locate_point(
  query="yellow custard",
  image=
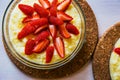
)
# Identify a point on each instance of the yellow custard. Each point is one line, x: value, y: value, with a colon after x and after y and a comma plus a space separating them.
x: 15, y: 26
x: 115, y: 63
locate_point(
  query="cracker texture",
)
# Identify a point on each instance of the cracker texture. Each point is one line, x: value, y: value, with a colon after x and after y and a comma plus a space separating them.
x: 103, y: 51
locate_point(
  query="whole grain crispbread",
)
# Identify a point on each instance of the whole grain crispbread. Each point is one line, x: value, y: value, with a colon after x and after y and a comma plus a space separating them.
x: 75, y: 64
x: 102, y: 53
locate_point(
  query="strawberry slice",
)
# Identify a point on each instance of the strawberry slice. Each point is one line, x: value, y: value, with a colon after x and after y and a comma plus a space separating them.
x: 26, y: 31
x: 63, y: 16
x: 64, y: 5
x: 72, y: 29
x: 31, y: 27
x: 53, y: 31
x: 59, y: 45
x: 63, y: 31
x: 44, y: 3
x: 54, y: 3
x: 41, y: 36
x: 40, y: 29
x: 41, y: 46
x: 49, y: 54
x: 40, y: 10
x: 26, y: 9
x: 53, y: 11
x: 29, y: 46
x: 29, y: 18
x: 39, y: 22
x: 54, y: 20
x: 117, y: 50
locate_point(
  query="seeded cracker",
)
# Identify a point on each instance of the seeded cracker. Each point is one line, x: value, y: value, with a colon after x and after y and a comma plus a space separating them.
x: 103, y: 51
x: 78, y: 62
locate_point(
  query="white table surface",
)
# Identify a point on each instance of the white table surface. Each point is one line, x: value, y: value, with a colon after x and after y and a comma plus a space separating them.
x: 107, y: 13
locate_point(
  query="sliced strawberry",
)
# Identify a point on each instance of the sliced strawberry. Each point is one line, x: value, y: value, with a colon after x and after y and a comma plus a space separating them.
x: 39, y: 22
x: 41, y: 46
x: 26, y: 9
x: 54, y: 20
x: 44, y: 3
x: 29, y: 18
x: 29, y: 46
x: 63, y: 16
x: 49, y: 53
x: 117, y: 50
x: 53, y: 31
x: 40, y: 29
x: 41, y: 11
x: 63, y: 31
x: 72, y: 29
x: 59, y: 45
x: 31, y: 27
x: 53, y: 11
x: 26, y: 31
x: 64, y: 5
x: 41, y: 36
x: 54, y: 3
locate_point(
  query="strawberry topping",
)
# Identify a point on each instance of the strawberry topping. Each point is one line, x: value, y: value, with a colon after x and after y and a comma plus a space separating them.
x: 44, y: 3
x: 63, y: 16
x: 41, y: 28
x: 49, y: 53
x: 40, y: 10
x: 63, y: 31
x: 53, y: 11
x: 117, y: 50
x: 28, y: 29
x: 72, y: 29
x: 53, y: 31
x: 54, y: 3
x: 41, y: 46
x: 42, y: 36
x: 26, y: 9
x: 55, y: 21
x: 30, y: 18
x: 64, y: 5
x: 59, y: 45
x: 29, y: 46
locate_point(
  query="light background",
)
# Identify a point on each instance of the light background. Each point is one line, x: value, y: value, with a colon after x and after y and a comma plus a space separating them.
x: 107, y: 13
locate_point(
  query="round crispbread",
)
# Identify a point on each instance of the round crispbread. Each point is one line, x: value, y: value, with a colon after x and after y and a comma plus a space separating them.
x: 102, y: 53
x: 79, y: 60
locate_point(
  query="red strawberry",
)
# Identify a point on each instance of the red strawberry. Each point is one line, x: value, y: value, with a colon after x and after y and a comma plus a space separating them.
x: 49, y: 54
x: 31, y: 27
x: 42, y: 36
x: 72, y: 29
x: 54, y: 2
x: 41, y: 11
x: 39, y: 22
x: 117, y: 50
x: 26, y: 9
x: 53, y: 11
x: 44, y: 3
x: 64, y: 5
x: 63, y: 31
x: 26, y: 31
x: 54, y: 20
x: 29, y: 46
x: 40, y: 29
x: 59, y: 45
x: 41, y: 46
x: 53, y: 31
x: 29, y: 18
x: 63, y: 16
